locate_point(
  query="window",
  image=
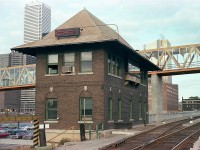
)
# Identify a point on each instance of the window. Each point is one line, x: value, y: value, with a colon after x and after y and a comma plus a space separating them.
x: 118, y: 67
x: 86, y: 62
x: 110, y: 108
x: 119, y: 109
x: 51, y: 109
x: 69, y: 63
x: 86, y: 109
x: 52, y: 67
x: 140, y: 109
x: 114, y: 65
x: 131, y: 107
x: 69, y: 59
x: 109, y: 63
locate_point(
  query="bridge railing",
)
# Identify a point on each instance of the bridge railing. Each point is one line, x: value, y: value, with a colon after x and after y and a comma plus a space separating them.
x: 174, y: 66
x: 17, y: 75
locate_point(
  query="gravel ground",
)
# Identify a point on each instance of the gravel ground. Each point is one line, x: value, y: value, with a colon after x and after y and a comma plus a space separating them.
x: 102, y: 142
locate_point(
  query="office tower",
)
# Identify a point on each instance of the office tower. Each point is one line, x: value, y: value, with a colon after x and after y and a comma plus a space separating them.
x: 37, y: 21
x: 19, y: 59
x: 157, y: 44
x: 160, y: 44
x: 4, y: 60
x: 27, y: 101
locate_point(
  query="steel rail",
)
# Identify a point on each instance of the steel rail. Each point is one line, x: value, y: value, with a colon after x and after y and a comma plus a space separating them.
x: 172, y: 140
x: 145, y: 137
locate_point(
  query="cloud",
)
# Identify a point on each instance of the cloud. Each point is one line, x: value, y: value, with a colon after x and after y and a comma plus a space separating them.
x: 139, y: 22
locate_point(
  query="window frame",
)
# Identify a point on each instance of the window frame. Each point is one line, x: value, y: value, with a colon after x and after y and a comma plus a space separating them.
x: 131, y: 107
x: 110, y: 110
x: 51, y: 64
x: 140, y: 109
x: 114, y: 65
x: 86, y: 61
x: 119, y: 109
x: 81, y: 116
x: 52, y: 109
x: 64, y: 61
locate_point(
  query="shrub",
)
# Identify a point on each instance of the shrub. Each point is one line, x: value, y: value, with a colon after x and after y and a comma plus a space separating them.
x: 63, y: 141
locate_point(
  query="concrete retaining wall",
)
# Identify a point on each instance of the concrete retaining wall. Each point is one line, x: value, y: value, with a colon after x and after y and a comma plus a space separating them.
x: 172, y: 115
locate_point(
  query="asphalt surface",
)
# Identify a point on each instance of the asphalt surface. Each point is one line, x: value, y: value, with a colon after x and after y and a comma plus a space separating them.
x: 7, y: 144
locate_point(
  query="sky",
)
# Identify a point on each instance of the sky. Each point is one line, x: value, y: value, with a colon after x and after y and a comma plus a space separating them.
x: 139, y: 22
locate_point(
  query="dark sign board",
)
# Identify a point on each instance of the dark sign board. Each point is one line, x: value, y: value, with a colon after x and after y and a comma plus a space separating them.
x: 60, y: 33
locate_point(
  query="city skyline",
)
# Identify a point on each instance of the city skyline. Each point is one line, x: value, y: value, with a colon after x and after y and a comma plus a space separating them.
x: 139, y: 22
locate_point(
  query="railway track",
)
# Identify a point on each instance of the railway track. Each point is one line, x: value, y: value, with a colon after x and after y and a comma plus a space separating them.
x: 175, y: 140
x: 143, y: 139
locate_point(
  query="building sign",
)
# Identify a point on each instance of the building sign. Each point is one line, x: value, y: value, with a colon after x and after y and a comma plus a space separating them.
x: 60, y: 33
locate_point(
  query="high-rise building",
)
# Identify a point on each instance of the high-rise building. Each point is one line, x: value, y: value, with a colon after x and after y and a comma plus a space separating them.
x: 37, y: 21
x: 27, y: 101
x: 160, y: 44
x: 10, y: 100
x: 18, y: 59
x: 4, y: 60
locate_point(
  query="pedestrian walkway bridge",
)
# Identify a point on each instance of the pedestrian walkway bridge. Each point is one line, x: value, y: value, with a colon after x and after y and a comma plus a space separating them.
x: 17, y: 77
x: 175, y: 60
x: 172, y: 60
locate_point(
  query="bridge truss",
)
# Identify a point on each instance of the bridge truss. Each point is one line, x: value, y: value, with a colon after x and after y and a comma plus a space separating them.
x: 172, y: 58
x: 17, y: 76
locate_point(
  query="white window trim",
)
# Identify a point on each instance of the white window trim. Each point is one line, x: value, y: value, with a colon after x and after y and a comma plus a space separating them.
x: 111, y: 121
x: 120, y: 121
x: 49, y: 75
x: 51, y: 121
x: 83, y: 73
x: 68, y: 74
x: 89, y: 122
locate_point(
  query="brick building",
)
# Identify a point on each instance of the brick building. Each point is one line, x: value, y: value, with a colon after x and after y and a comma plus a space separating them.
x: 170, y: 97
x: 82, y: 76
x: 191, y: 103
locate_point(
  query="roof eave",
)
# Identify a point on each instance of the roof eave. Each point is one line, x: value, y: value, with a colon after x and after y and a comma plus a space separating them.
x: 150, y: 64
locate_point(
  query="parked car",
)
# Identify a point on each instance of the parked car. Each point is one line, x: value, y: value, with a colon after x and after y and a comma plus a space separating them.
x: 12, y: 131
x: 19, y: 134
x: 28, y: 136
x: 3, y: 134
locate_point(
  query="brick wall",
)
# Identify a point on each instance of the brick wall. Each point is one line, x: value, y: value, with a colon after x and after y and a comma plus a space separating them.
x: 68, y: 88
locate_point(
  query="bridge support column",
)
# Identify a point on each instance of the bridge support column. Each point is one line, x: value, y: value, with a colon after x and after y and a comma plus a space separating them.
x: 156, y: 97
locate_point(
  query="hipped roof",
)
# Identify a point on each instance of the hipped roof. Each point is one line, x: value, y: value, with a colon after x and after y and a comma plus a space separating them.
x: 93, y: 30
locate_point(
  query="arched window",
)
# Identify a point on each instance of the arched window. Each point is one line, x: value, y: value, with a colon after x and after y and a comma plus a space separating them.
x: 86, y: 108
x: 51, y: 109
